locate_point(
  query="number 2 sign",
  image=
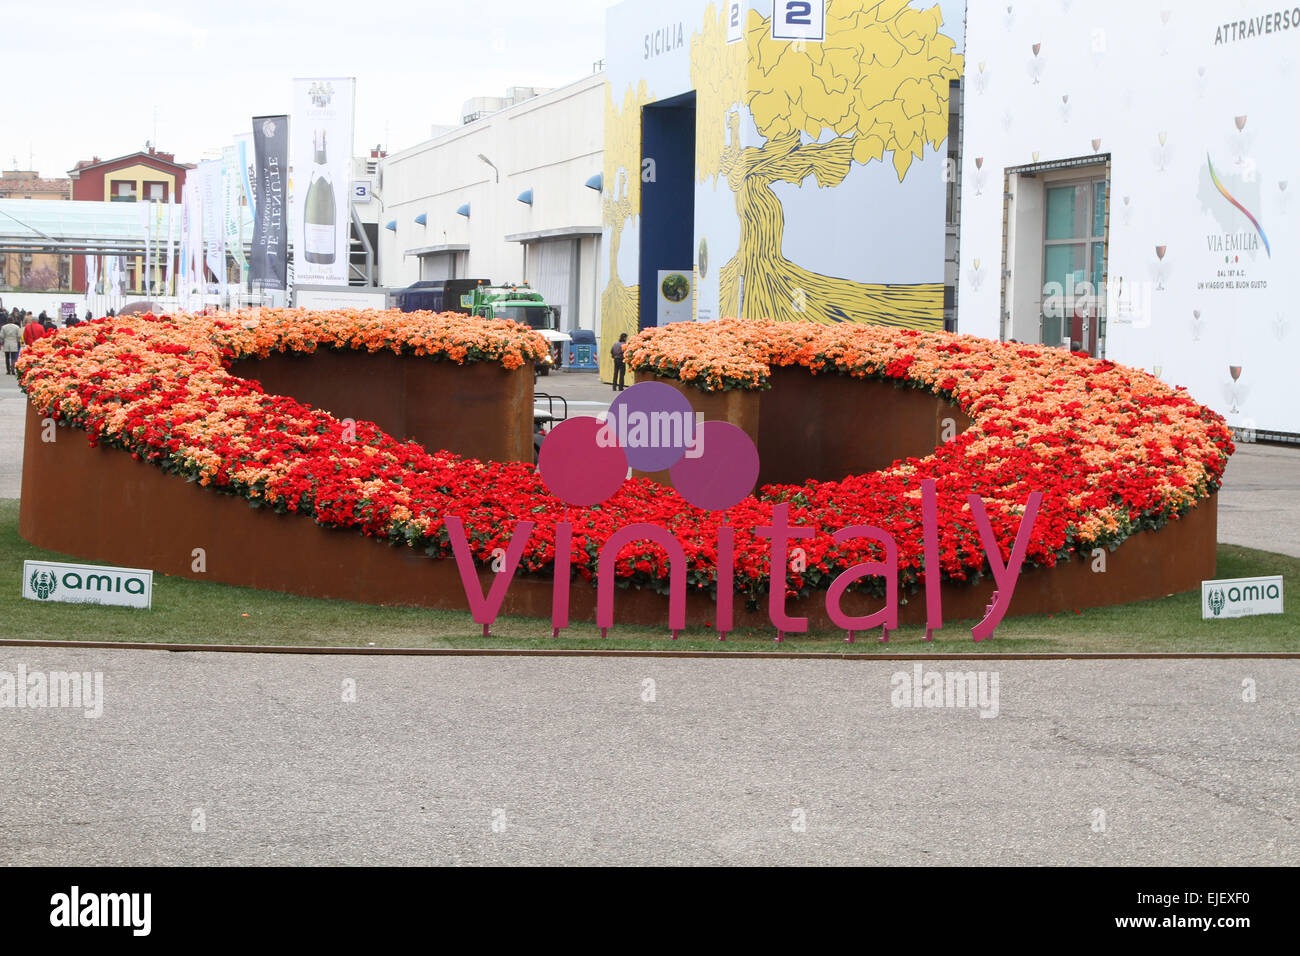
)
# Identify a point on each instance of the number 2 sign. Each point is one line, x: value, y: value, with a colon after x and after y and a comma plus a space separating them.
x: 735, y: 21
x: 798, y: 20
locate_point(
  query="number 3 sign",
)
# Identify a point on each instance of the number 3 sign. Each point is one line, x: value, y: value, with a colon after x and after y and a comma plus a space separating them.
x: 798, y: 20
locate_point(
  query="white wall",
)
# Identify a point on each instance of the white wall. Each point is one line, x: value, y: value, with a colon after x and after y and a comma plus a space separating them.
x: 1159, y: 88
x: 551, y: 144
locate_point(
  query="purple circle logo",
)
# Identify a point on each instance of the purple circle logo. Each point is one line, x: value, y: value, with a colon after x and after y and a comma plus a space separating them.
x: 650, y: 427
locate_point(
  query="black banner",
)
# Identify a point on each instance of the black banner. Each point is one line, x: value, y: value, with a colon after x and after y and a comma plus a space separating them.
x: 1229, y: 909
x: 271, y: 221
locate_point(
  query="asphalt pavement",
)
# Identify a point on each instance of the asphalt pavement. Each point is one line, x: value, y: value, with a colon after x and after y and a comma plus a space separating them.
x: 208, y: 759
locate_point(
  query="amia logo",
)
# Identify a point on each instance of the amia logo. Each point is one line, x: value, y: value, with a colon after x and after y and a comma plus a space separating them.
x: 44, y: 582
x: 1241, y: 597
x: 55, y: 582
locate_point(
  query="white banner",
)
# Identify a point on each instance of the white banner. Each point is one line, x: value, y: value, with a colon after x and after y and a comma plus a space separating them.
x: 322, y: 174
x: 146, y: 220
x: 172, y: 224
x: 232, y: 190
x: 211, y: 196
x: 193, y: 253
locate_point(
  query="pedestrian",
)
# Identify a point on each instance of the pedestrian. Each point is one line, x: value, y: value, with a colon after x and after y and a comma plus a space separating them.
x: 32, y: 331
x: 11, y: 337
x: 88, y: 317
x: 620, y: 366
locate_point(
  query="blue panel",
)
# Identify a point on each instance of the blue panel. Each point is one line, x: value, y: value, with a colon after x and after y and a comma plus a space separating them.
x: 596, y: 182
x: 526, y: 197
x: 391, y: 224
x: 463, y: 211
x: 668, y: 202
x: 422, y: 219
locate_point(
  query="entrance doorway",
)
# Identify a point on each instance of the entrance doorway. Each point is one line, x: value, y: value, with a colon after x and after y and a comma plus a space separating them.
x: 667, y: 195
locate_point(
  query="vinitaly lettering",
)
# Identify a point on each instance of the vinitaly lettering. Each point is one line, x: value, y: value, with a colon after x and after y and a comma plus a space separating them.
x: 485, y: 608
x: 584, y: 461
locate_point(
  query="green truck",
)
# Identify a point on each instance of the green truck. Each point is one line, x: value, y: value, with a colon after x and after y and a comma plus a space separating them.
x: 519, y: 303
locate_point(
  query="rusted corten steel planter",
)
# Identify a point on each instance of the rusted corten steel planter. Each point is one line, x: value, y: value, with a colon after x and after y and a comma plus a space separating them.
x: 479, y: 410
x: 101, y: 505
x: 827, y: 427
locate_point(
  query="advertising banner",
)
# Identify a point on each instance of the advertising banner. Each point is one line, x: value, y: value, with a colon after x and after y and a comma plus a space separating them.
x: 53, y: 581
x: 270, y: 222
x: 1241, y: 597
x: 1187, y: 258
x: 146, y: 223
x: 245, y: 154
x: 191, y: 246
x: 322, y: 153
x: 213, y: 228
x: 173, y: 221
x: 232, y: 193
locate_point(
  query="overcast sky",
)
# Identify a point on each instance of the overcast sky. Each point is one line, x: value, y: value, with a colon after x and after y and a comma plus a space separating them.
x: 82, y: 78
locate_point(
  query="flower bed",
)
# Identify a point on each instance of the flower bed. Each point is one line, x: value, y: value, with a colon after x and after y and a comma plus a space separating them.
x: 1113, y: 450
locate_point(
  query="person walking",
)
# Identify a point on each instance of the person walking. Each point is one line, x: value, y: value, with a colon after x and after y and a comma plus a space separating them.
x: 32, y: 331
x: 11, y: 337
x: 620, y: 366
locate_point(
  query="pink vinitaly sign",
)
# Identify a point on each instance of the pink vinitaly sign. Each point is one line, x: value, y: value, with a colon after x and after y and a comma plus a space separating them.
x: 713, y: 465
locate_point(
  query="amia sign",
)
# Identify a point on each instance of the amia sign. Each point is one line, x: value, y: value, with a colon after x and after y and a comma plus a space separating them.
x: 52, y: 581
x: 1241, y: 597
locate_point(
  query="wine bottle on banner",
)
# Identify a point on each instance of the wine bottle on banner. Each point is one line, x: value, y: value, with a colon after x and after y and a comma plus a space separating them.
x: 318, y: 210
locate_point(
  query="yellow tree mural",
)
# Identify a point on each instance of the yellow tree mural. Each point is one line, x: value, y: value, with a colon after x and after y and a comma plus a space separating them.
x: 878, y: 84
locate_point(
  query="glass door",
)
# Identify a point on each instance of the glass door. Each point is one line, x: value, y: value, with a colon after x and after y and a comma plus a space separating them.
x: 1074, y: 266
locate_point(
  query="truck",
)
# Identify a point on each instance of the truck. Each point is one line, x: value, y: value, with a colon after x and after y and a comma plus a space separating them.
x: 517, y: 302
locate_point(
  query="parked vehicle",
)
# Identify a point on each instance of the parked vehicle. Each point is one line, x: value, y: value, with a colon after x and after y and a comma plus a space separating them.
x: 519, y: 303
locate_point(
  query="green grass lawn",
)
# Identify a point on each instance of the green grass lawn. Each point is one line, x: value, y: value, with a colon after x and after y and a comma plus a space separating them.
x: 194, y: 612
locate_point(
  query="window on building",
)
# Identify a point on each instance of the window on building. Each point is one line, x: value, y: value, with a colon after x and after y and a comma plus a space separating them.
x: 1074, y: 258
x: 156, y: 191
x: 1056, y: 223
x: 122, y: 191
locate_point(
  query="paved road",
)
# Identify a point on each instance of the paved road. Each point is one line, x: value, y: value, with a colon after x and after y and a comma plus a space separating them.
x: 580, y: 768
x: 1259, y: 506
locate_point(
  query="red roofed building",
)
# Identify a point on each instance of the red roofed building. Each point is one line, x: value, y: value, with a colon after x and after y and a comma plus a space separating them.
x: 146, y: 175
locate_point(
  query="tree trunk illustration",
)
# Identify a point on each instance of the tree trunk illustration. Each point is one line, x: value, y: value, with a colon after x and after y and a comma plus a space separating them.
x: 776, y: 288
